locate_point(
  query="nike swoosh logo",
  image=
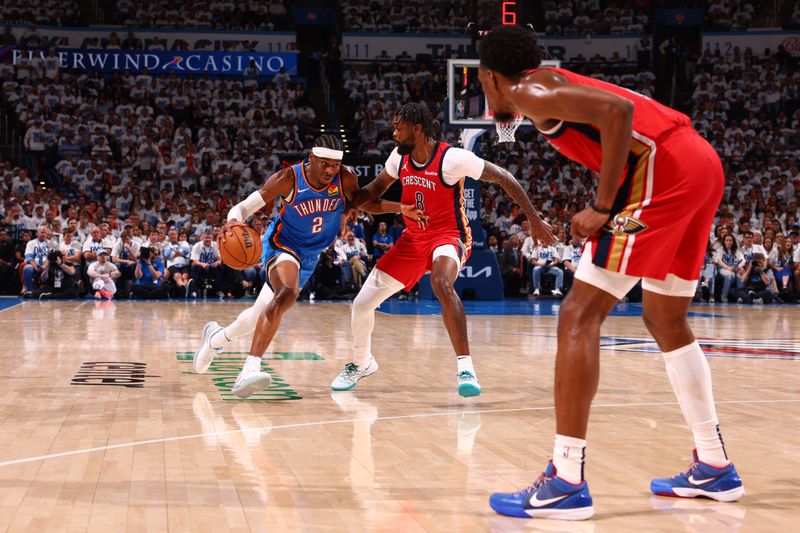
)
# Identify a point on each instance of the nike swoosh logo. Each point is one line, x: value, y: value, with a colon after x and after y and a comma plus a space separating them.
x: 536, y: 502
x: 694, y: 481
x: 301, y: 190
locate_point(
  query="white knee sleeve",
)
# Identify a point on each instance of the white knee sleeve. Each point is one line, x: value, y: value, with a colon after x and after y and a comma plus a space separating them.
x: 378, y: 287
x: 246, y: 322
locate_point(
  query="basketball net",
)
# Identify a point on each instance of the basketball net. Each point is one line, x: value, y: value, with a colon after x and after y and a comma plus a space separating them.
x: 506, y: 130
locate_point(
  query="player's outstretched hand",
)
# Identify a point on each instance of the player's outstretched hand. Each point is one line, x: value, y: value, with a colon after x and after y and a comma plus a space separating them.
x: 413, y: 213
x: 542, y: 230
x: 226, y: 230
x: 588, y: 222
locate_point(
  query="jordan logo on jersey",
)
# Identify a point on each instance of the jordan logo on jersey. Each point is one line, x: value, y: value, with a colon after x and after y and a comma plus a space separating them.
x: 317, y: 205
x: 625, y: 225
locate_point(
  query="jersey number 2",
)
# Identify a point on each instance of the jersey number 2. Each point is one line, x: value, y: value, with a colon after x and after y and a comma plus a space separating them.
x: 316, y: 225
x: 420, y: 201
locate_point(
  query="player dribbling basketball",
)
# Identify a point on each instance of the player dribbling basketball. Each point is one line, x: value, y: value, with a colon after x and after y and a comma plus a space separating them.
x: 315, y: 194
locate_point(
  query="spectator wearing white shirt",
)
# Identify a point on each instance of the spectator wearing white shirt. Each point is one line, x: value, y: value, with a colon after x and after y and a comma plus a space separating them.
x: 35, y: 256
x: 102, y: 274
x: 70, y: 248
x: 545, y: 261
x: 570, y: 261
x: 93, y: 245
x: 206, y: 265
x: 728, y: 261
x: 177, y: 253
x: 356, y: 254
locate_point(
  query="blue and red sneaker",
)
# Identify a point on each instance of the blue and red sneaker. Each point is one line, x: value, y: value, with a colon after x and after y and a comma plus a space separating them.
x: 700, y: 479
x: 548, y: 497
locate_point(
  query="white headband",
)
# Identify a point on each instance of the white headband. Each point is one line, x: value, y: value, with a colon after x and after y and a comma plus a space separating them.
x: 327, y: 153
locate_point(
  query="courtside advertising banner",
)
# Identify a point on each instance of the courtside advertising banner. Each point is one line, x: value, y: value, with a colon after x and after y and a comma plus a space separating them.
x: 166, y: 62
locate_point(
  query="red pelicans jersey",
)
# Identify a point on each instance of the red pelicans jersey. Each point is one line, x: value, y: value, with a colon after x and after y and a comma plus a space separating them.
x: 424, y: 186
x: 437, y: 188
x: 667, y: 195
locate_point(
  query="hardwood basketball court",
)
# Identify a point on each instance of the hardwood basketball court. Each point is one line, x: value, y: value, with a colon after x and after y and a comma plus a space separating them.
x: 104, y: 427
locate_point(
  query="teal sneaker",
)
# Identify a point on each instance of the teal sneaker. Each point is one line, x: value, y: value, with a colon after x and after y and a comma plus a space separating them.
x: 468, y: 384
x: 352, y: 373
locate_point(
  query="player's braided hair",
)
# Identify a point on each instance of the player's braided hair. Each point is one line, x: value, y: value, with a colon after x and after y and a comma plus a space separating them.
x: 417, y: 113
x: 510, y: 50
x: 326, y: 140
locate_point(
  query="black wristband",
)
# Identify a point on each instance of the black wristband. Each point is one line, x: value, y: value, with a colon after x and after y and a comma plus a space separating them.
x: 600, y: 209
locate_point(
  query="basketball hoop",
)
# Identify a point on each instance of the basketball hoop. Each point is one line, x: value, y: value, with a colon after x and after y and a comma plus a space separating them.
x: 506, y: 130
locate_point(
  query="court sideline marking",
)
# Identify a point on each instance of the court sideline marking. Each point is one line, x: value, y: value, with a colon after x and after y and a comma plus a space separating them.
x: 346, y: 421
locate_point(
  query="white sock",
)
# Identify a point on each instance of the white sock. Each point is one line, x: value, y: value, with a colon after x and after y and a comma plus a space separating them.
x: 465, y: 364
x: 690, y: 378
x: 245, y: 323
x: 568, y: 455
x: 378, y: 287
x: 253, y: 362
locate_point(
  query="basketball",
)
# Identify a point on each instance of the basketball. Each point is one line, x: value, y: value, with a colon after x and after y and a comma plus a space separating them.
x: 241, y: 248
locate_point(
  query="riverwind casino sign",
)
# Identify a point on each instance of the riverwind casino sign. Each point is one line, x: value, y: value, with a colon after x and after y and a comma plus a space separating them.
x: 168, y: 61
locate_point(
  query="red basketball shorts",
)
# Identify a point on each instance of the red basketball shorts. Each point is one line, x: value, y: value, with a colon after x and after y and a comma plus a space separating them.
x: 664, y: 209
x: 411, y: 256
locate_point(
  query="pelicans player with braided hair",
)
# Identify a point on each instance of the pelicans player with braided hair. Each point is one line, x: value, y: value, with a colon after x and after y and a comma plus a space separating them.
x: 315, y: 194
x: 432, y: 176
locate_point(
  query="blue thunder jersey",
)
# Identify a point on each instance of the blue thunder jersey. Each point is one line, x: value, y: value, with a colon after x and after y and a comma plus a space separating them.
x: 308, y: 223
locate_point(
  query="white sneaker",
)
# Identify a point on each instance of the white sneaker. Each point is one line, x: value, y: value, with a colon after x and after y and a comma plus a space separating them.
x: 557, y: 292
x: 251, y: 379
x: 352, y: 373
x: 205, y: 354
x: 536, y: 292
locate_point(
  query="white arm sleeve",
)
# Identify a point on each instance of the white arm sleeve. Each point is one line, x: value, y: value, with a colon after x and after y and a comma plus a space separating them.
x: 459, y: 163
x: 392, y: 166
x: 246, y: 207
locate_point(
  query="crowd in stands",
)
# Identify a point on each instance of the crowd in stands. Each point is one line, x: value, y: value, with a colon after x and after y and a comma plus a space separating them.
x: 411, y: 16
x: 726, y: 15
x: 224, y: 14
x: 794, y: 21
x: 53, y: 12
x: 141, y: 154
x: 151, y: 164
x: 579, y: 17
x: 747, y: 106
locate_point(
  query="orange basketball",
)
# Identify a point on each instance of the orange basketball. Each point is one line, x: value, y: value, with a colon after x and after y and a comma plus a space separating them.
x: 241, y: 248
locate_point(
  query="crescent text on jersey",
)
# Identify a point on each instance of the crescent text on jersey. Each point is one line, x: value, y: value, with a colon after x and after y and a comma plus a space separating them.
x: 419, y: 181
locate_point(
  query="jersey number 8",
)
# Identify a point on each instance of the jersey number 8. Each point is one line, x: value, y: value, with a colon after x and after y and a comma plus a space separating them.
x: 420, y: 201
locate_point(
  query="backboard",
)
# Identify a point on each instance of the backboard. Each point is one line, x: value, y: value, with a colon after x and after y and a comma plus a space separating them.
x: 466, y: 104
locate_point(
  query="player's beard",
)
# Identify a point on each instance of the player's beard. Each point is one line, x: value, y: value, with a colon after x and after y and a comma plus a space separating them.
x: 503, y: 117
x: 405, y: 149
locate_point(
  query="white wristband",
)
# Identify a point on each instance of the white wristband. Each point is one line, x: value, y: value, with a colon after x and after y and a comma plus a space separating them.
x: 246, y: 207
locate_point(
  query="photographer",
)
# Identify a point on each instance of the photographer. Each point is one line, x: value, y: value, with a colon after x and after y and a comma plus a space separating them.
x: 149, y: 276
x: 758, y: 281
x: 58, y: 278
